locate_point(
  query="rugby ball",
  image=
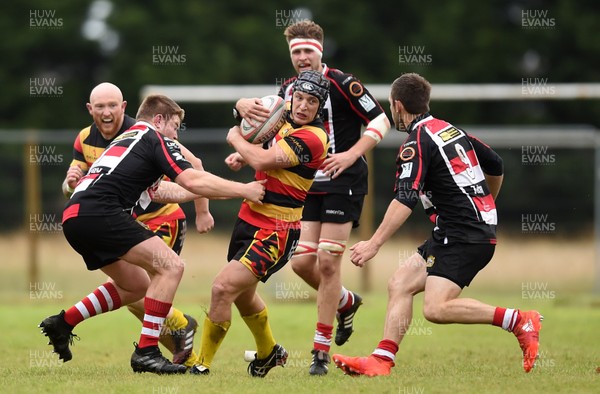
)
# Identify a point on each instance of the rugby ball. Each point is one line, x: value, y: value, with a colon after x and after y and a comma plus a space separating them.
x: 267, y: 129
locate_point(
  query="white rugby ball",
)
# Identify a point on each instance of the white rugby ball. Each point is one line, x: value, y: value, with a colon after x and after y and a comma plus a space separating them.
x: 267, y: 129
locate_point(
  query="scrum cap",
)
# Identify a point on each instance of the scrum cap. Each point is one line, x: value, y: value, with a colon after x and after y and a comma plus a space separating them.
x: 313, y: 83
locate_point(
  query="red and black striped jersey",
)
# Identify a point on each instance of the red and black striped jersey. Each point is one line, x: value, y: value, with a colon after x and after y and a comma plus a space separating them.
x: 127, y: 173
x: 88, y: 147
x: 286, y: 188
x: 349, y: 106
x: 441, y: 161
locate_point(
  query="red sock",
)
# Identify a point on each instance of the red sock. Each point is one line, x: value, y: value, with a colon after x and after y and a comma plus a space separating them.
x: 322, y: 339
x: 154, y: 317
x: 386, y: 350
x: 505, y: 318
x: 346, y: 301
x: 104, y: 299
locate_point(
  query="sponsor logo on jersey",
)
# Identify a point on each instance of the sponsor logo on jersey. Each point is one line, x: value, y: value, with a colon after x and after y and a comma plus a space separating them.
x: 348, y: 79
x: 366, y: 102
x: 449, y: 134
x: 406, y: 170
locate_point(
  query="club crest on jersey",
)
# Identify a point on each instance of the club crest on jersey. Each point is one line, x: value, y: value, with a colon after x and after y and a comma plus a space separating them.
x: 407, y: 153
x: 430, y: 261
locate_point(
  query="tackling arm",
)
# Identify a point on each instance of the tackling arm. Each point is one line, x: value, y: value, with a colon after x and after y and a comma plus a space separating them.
x: 336, y: 163
x: 203, y: 183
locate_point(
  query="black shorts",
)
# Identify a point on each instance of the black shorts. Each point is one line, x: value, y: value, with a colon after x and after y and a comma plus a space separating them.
x: 333, y: 208
x: 102, y: 240
x: 458, y: 262
x: 262, y: 251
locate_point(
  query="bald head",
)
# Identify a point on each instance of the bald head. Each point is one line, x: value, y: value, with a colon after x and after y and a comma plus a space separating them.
x: 106, y: 90
x: 107, y: 108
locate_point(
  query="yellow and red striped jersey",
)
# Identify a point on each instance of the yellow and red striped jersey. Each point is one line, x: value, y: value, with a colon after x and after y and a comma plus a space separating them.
x: 286, y: 188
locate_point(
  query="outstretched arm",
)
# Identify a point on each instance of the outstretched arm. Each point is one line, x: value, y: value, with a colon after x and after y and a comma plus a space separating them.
x: 205, y: 184
x: 395, y: 216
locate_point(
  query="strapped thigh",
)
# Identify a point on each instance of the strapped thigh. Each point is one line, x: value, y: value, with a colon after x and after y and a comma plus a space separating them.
x: 305, y: 248
x: 332, y: 246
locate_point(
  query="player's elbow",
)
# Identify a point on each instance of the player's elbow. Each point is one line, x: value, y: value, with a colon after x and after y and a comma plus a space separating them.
x: 261, y: 166
x: 189, y: 179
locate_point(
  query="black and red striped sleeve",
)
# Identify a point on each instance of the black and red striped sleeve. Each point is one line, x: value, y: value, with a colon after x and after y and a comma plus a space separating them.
x: 360, y: 100
x: 490, y: 161
x: 169, y: 157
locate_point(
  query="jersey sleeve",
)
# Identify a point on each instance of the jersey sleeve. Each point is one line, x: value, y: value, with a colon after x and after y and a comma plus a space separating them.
x: 360, y: 99
x: 304, y: 147
x: 78, y: 156
x: 169, y: 157
x: 490, y: 161
x: 412, y: 165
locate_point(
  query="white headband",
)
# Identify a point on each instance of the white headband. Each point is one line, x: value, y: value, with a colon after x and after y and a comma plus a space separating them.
x: 299, y: 43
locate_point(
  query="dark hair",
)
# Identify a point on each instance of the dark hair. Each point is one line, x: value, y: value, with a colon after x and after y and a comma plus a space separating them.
x: 155, y: 104
x: 413, y: 92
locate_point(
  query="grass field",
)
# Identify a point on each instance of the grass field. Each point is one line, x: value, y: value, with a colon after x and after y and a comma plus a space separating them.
x: 553, y: 277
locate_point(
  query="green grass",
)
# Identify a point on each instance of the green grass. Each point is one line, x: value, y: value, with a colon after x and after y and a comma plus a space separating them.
x: 432, y: 359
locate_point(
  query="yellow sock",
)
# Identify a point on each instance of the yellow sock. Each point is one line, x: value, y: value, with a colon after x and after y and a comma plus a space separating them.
x: 176, y: 321
x: 192, y: 360
x: 212, y: 336
x: 260, y: 328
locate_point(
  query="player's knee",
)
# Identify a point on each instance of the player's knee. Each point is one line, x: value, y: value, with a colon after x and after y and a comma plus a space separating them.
x: 408, y: 279
x: 221, y: 290
x: 304, y: 258
x: 329, y: 266
x: 433, y: 312
x: 330, y: 256
x: 171, y: 265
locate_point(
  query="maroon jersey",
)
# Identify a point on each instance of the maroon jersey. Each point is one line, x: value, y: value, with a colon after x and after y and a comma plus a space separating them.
x: 440, y: 161
x: 127, y: 173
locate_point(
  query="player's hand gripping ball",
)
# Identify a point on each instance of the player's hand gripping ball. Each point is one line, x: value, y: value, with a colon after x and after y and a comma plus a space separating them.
x: 266, y: 130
